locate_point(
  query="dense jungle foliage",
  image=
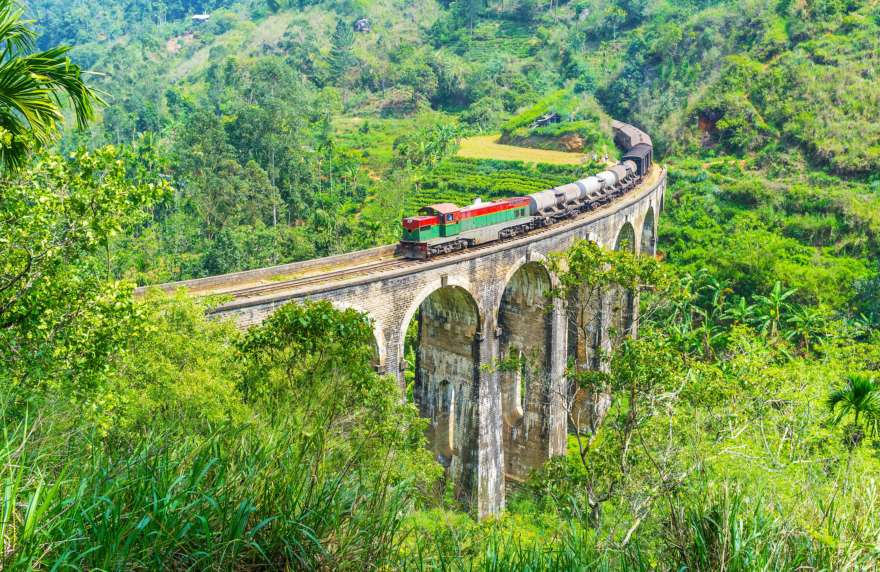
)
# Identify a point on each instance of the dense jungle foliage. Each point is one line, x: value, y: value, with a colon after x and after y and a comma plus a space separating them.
x: 137, y: 434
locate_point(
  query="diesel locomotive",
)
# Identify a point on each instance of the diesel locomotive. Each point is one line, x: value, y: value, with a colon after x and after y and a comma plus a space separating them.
x: 445, y: 227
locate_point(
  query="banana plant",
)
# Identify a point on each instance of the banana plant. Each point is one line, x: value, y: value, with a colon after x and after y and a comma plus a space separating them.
x: 804, y: 325
x: 770, y: 310
x: 740, y: 313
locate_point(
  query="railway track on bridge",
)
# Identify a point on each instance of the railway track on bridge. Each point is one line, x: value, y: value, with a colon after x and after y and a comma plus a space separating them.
x: 360, y: 271
x: 295, y: 285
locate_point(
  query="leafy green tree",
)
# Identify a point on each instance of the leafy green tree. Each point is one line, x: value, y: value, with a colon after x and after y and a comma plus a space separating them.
x: 132, y: 77
x: 341, y: 57
x: 427, y: 146
x: 470, y: 10
x: 246, y: 246
x: 177, y: 372
x: 419, y: 77
x: 222, y: 190
x: 31, y: 84
x: 62, y: 316
x: 622, y: 371
x: 309, y: 367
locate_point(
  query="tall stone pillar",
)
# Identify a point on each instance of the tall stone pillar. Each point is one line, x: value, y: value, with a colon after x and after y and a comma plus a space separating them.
x: 394, y: 364
x: 558, y: 418
x: 490, y: 442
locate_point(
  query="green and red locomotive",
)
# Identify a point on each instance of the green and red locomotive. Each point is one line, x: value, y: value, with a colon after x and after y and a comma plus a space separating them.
x: 446, y: 227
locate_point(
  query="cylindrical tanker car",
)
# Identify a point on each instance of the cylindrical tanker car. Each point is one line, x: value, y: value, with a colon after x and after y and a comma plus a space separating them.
x: 445, y: 227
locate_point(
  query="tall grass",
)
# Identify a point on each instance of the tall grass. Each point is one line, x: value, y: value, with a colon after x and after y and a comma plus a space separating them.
x: 500, y: 550
x: 724, y: 528
x: 245, y: 499
x: 712, y: 527
x: 226, y: 502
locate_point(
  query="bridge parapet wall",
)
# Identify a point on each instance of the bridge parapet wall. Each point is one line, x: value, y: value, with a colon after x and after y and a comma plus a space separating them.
x: 301, y: 269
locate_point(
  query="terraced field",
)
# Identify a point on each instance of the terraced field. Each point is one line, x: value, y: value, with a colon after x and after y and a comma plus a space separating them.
x: 492, y: 39
x: 487, y: 147
x: 461, y: 180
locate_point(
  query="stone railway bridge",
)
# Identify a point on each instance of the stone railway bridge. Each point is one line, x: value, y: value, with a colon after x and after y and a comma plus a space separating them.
x: 472, y: 308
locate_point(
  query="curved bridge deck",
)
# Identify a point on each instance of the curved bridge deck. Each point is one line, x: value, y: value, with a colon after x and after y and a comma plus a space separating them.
x: 307, y: 278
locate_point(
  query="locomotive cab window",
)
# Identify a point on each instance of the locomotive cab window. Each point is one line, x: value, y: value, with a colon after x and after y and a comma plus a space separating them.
x: 449, y: 218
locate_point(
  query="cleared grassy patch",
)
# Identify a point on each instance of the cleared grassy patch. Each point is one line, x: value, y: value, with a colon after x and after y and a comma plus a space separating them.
x: 487, y: 147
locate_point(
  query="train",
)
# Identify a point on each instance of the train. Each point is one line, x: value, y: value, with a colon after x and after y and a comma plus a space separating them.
x: 444, y: 228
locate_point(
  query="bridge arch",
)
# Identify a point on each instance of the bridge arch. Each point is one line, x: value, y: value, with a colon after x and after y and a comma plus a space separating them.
x: 525, y: 322
x: 379, y: 346
x: 532, y: 257
x: 423, y: 294
x: 648, y: 242
x: 445, y: 379
x: 626, y: 238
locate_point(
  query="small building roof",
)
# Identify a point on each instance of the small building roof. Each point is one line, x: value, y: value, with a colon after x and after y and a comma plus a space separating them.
x: 201, y: 17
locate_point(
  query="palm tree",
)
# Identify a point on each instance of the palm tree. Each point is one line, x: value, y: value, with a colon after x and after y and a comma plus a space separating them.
x: 31, y: 85
x: 860, y: 397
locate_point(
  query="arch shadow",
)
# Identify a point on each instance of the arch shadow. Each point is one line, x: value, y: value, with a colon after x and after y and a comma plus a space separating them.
x: 446, y: 377
x: 626, y: 238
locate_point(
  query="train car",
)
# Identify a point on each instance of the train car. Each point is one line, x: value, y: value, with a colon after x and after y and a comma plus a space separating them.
x: 542, y: 203
x: 642, y: 156
x: 627, y: 136
x: 445, y: 227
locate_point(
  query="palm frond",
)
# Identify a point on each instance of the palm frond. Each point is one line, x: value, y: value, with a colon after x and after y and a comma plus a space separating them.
x: 34, y: 88
x: 54, y: 69
x: 860, y: 396
x: 15, y: 34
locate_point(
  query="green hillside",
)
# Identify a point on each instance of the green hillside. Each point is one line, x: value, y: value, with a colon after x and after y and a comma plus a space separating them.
x: 744, y: 431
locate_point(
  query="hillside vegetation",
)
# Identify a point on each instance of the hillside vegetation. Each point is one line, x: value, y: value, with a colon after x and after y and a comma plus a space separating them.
x: 137, y: 434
